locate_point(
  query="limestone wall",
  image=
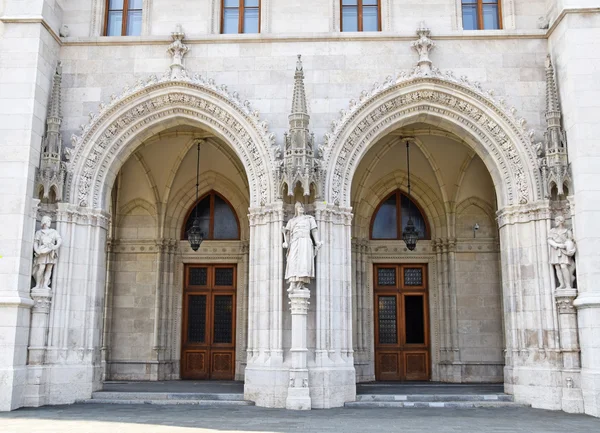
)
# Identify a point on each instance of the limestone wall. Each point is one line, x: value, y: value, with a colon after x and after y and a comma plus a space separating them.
x: 203, y: 17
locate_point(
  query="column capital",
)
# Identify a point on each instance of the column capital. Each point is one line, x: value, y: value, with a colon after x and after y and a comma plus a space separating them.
x: 71, y: 213
x: 299, y: 302
x: 564, y: 301
x: 42, y: 299
x: 266, y: 214
x: 536, y: 211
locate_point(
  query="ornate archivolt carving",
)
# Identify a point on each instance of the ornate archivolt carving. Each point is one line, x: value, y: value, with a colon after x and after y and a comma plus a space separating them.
x: 156, y: 100
x: 444, y: 96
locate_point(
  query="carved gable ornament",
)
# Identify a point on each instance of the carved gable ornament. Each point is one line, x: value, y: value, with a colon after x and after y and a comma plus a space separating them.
x: 427, y: 90
x: 156, y: 99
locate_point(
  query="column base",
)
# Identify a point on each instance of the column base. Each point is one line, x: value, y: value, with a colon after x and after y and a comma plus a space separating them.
x: 266, y: 386
x: 298, y: 399
x: 541, y: 388
x: 331, y: 386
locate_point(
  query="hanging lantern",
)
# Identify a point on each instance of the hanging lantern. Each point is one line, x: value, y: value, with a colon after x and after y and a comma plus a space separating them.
x: 194, y: 234
x: 410, y: 234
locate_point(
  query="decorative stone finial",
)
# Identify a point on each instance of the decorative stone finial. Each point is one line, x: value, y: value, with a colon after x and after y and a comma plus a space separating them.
x: 177, y: 50
x: 554, y: 163
x: 50, y: 176
x: 423, y: 46
x: 299, y: 165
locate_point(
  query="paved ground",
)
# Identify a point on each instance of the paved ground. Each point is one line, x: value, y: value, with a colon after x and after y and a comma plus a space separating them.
x: 90, y: 418
x: 207, y: 386
x: 428, y: 388
x: 363, y: 388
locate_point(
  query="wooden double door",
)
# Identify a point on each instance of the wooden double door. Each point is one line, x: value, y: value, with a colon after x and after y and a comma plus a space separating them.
x: 208, y: 331
x: 401, y: 322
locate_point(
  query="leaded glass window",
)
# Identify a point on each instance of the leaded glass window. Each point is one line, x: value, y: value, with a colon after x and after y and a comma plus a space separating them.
x: 392, y: 215
x: 217, y: 218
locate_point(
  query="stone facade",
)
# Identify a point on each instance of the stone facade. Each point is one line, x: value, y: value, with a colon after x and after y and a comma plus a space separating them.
x: 503, y: 141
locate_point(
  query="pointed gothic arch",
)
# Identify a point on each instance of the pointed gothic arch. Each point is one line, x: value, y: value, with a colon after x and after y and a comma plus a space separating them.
x: 120, y: 127
x: 442, y: 100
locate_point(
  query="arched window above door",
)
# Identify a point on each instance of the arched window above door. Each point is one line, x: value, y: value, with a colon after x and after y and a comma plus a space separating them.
x: 218, y: 220
x: 392, y: 214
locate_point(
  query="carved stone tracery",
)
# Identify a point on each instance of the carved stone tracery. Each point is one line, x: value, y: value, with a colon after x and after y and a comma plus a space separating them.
x: 195, y: 98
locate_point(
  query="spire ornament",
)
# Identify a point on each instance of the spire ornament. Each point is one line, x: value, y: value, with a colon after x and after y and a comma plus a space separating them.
x: 554, y: 162
x: 177, y: 50
x: 299, y: 164
x: 423, y: 46
x: 50, y: 176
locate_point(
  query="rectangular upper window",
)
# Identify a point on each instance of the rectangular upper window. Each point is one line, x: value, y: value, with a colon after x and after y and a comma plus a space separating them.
x: 361, y: 15
x: 123, y: 18
x: 481, y: 14
x: 240, y: 16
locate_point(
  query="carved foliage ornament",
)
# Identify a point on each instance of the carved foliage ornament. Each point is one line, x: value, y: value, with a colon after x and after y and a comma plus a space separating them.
x: 91, y: 160
x: 446, y: 103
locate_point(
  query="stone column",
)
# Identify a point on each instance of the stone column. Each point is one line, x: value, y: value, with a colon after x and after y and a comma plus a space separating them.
x: 266, y: 380
x: 452, y: 304
x: 73, y: 355
x: 332, y: 379
x: 533, y: 365
x: 298, y: 397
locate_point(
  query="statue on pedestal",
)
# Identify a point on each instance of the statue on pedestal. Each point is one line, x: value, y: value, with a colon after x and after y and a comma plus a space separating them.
x: 562, y: 251
x: 298, y: 237
x: 46, y: 243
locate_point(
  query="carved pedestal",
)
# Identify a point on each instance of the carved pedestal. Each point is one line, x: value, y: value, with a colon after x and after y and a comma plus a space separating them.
x: 572, y: 399
x: 39, y: 325
x: 298, y: 392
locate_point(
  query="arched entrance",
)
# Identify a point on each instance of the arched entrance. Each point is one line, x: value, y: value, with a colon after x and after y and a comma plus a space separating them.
x: 123, y: 263
x: 450, y: 106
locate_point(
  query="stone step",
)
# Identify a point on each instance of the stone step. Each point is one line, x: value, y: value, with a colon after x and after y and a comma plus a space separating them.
x: 432, y: 404
x: 167, y: 398
x: 433, y: 397
x: 209, y: 403
x: 111, y: 395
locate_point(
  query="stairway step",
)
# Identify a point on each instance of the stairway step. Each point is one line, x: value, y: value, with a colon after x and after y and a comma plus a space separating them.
x: 433, y: 397
x: 208, y: 403
x: 432, y: 404
x: 109, y: 395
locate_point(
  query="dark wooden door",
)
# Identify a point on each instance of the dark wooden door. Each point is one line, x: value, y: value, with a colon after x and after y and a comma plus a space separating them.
x: 208, y: 331
x: 401, y: 322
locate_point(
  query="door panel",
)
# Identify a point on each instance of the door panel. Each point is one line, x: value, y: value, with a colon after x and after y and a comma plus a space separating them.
x: 401, y: 323
x: 208, y: 334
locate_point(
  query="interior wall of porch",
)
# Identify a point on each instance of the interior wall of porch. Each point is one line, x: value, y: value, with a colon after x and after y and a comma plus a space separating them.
x: 154, y: 192
x: 455, y: 191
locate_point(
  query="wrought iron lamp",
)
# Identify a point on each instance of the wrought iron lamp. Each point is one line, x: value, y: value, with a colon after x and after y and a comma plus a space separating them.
x: 194, y: 234
x: 410, y: 234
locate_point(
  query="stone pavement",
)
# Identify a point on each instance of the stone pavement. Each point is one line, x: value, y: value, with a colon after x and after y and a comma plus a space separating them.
x: 87, y: 418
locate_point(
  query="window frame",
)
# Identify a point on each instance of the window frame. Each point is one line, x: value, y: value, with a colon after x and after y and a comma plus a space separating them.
x: 241, y: 7
x: 398, y: 193
x: 211, y: 224
x: 123, y: 18
x: 480, y: 4
x: 359, y: 5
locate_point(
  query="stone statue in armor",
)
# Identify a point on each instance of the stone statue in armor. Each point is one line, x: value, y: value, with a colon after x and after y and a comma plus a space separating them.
x: 562, y: 251
x: 46, y: 243
x: 298, y: 234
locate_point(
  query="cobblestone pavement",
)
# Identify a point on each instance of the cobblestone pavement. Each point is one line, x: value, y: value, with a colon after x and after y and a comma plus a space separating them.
x: 96, y: 418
